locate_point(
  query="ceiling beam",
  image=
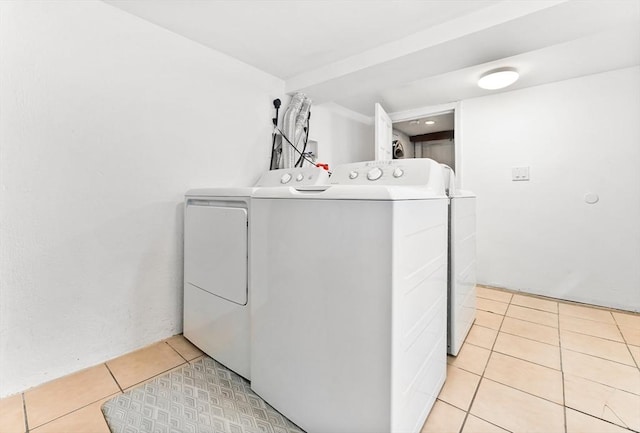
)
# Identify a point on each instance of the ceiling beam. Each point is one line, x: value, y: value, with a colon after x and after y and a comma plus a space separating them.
x: 488, y: 35
x: 432, y: 136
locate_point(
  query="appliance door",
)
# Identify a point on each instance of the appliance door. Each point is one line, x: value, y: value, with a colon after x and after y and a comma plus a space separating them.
x: 215, y: 250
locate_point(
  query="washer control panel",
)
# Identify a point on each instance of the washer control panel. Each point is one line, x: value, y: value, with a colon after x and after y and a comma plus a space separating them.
x: 300, y: 176
x: 285, y: 178
x: 375, y: 173
x: 418, y: 171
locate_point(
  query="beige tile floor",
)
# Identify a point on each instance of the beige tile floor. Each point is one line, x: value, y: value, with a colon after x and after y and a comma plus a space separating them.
x: 528, y: 365
x: 72, y: 404
x: 532, y: 364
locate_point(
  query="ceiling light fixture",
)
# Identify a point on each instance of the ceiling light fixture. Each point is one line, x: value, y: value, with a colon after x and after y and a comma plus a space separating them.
x: 498, y: 78
x: 429, y: 122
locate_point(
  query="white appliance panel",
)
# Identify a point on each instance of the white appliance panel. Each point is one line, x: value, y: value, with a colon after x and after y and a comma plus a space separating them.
x: 220, y: 329
x: 339, y: 342
x: 217, y: 279
x: 334, y: 324
x: 462, y: 292
x: 418, y: 343
x: 215, y: 249
x: 406, y: 172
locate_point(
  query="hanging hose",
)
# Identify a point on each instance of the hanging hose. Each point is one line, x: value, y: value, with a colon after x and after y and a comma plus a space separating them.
x: 276, y: 145
x: 289, y: 130
x: 300, y: 162
x: 301, y: 119
x: 295, y: 149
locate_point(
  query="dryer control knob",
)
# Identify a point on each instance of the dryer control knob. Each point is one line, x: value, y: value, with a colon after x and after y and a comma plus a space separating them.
x: 374, y: 174
x: 398, y: 172
x: 353, y: 175
x: 285, y: 178
x: 299, y: 177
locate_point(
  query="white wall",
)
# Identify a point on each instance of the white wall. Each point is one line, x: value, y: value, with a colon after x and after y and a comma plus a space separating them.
x: 106, y: 120
x: 577, y: 136
x: 342, y: 136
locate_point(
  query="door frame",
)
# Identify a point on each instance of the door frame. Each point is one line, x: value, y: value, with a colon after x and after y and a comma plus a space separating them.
x: 456, y: 108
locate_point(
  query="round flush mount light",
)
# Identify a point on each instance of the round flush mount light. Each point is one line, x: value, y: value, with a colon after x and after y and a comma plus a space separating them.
x: 429, y: 122
x: 498, y: 78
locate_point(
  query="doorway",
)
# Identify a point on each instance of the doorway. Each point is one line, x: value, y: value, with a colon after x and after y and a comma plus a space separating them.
x: 429, y: 132
x: 431, y: 136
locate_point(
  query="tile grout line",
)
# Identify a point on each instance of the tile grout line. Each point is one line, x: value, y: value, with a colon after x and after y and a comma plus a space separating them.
x: 482, y: 326
x: 558, y: 300
x: 525, y: 338
x: 560, y: 349
x: 564, y: 399
x: 596, y: 336
x: 511, y: 386
x: 73, y: 411
x: 468, y: 411
x: 515, y: 357
x: 603, y: 420
x: 561, y: 367
x: 558, y: 345
x: 521, y: 319
x: 113, y: 377
x: 536, y: 309
x: 554, y: 327
x: 162, y: 373
x: 590, y: 380
x: 604, y: 359
x: 176, y: 350
x: 24, y: 411
x: 626, y: 343
x: 528, y: 338
x: 196, y: 359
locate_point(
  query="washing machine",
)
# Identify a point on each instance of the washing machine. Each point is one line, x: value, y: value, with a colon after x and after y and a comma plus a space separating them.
x: 349, y: 297
x: 461, y: 281
x: 216, y: 269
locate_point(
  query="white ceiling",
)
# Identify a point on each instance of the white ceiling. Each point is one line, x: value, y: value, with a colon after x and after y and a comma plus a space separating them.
x: 406, y: 54
x: 288, y: 37
x: 443, y: 122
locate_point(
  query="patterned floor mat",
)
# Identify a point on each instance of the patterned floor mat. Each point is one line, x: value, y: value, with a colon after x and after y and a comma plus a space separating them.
x: 205, y: 397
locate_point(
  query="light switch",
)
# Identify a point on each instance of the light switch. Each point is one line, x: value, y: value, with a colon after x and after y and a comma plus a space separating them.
x: 520, y: 173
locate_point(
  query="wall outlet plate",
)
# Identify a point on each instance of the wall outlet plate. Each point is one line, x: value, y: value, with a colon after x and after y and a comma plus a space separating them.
x: 520, y: 173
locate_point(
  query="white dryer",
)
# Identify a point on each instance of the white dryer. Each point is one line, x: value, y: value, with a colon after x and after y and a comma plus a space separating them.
x: 216, y: 277
x: 349, y: 297
x: 461, y: 281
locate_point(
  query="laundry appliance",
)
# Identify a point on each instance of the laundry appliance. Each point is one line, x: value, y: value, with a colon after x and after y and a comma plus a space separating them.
x: 216, y: 277
x: 349, y: 297
x: 461, y: 280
